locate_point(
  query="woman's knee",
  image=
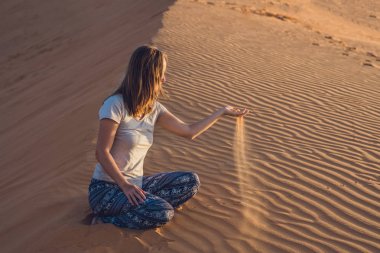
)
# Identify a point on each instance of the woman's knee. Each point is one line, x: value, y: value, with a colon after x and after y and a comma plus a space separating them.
x: 156, y: 209
x: 194, y: 178
x: 166, y: 215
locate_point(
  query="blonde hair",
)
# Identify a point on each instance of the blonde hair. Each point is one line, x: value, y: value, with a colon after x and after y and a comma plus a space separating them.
x: 144, y: 73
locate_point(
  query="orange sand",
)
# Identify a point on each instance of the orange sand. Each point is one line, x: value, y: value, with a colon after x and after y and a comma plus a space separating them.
x: 309, y: 68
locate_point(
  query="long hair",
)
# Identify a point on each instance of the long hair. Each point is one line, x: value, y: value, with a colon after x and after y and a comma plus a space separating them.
x: 144, y: 73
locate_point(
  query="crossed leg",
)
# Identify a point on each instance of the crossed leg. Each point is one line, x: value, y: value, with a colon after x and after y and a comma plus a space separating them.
x: 175, y: 187
x: 165, y: 191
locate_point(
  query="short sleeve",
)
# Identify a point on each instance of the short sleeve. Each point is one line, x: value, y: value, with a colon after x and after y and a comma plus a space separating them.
x: 161, y: 108
x: 112, y: 108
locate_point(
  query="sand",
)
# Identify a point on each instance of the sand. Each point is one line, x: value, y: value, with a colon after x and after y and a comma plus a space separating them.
x: 308, y: 70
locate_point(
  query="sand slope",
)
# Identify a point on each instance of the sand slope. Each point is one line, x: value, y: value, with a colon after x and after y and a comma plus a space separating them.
x: 59, y: 60
x: 308, y: 70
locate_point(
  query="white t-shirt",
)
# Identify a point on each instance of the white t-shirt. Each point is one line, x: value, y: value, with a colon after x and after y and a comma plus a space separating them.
x: 132, y: 140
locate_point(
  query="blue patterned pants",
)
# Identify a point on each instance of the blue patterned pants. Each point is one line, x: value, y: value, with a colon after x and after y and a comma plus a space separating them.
x: 165, y: 191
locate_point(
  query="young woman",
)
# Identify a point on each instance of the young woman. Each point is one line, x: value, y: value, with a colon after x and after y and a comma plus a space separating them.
x: 118, y: 191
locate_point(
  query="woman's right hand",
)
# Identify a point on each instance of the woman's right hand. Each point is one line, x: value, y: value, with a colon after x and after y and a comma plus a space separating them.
x: 134, y: 194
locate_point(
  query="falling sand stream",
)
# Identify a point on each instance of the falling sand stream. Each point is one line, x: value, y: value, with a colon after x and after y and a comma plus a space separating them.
x: 246, y: 186
x: 239, y: 146
x: 241, y: 167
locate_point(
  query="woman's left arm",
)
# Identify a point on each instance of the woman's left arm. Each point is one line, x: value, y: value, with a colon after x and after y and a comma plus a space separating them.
x: 173, y: 124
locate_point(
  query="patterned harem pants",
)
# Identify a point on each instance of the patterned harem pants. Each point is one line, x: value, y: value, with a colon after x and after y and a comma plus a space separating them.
x: 165, y: 192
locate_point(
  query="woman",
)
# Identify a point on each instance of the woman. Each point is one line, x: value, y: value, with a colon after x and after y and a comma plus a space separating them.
x: 118, y: 191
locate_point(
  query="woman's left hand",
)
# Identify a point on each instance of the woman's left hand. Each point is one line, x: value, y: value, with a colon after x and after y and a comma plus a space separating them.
x: 234, y: 111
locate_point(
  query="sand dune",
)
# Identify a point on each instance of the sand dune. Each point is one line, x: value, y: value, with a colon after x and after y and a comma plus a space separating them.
x: 308, y: 70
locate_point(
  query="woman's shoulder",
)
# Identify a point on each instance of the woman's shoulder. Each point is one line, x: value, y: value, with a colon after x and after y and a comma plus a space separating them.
x: 114, y: 100
x: 112, y: 108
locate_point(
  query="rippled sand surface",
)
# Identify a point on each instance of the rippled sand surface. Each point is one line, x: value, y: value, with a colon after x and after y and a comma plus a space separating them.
x: 307, y: 70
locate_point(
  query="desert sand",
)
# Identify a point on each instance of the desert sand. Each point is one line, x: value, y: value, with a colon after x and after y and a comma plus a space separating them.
x: 308, y: 177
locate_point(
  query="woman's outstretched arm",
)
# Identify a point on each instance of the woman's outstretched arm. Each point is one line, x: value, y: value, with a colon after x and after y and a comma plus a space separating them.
x: 173, y: 124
